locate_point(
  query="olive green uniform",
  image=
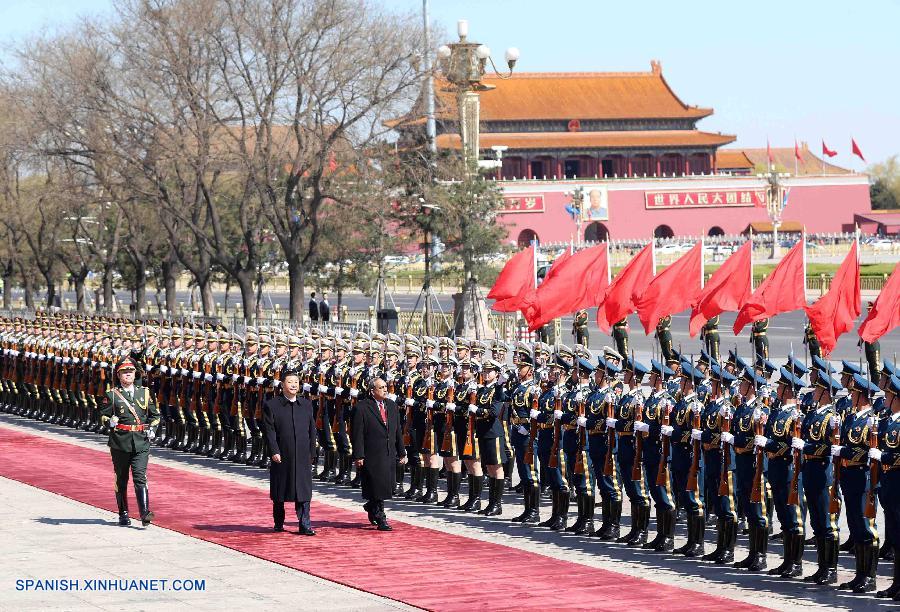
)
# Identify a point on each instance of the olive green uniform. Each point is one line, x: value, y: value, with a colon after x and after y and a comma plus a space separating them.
x: 620, y: 336
x: 709, y: 333
x: 580, y: 328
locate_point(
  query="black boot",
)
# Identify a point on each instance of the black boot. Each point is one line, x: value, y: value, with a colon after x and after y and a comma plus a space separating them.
x: 788, y: 562
x: 454, y: 479
x: 859, y: 575
x: 554, y: 512
x: 730, y: 542
x: 643, y: 523
x: 603, y: 530
x: 762, y: 546
x: 415, y: 482
x: 667, y: 544
x: 751, y: 555
x: 887, y: 550
x: 699, y: 534
x: 563, y: 512
x: 869, y: 568
x: 343, y: 473
x: 797, y: 546
x: 533, y: 514
x: 122, y: 503
x: 894, y: 589
x: 398, y: 480
x: 821, y: 561
x: 430, y: 496
x: 615, y: 520
x: 143, y: 502
x: 847, y: 546
x: 579, y: 503
x: 829, y: 576
x: 473, y: 504
x: 495, y: 505
x: 716, y: 554
x: 327, y: 465
x: 660, y: 531
x: 629, y: 537
x: 588, y: 526
x: 519, y: 518
x: 690, y: 536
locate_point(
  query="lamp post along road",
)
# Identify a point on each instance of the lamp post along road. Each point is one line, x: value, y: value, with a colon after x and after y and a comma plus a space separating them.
x: 775, y: 200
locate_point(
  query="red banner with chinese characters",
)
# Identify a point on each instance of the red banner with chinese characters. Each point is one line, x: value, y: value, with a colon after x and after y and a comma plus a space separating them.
x: 527, y: 203
x: 700, y: 199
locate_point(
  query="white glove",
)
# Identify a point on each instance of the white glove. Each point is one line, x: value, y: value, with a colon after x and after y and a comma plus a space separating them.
x: 473, y: 386
x: 641, y: 426
x: 219, y: 376
x: 260, y: 380
x: 113, y: 421
x: 323, y: 389
x: 338, y: 390
x: 798, y: 444
x: 522, y: 430
x: 41, y: 357
x: 875, y: 454
x: 760, y: 441
x: 195, y: 374
x: 276, y: 383
x: 835, y: 421
x: 184, y: 371
x: 450, y: 407
x: 727, y: 438
x: 534, y: 414
x: 723, y: 411
x: 666, y: 430
x: 611, y: 422
x: 164, y: 369
x: 103, y: 364
x: 355, y: 392
x: 151, y: 434
x: 390, y: 396
x: 557, y: 414
x: 247, y: 380
x: 582, y: 421
x: 66, y: 360
x: 429, y: 404
x: 696, y: 434
x: 148, y: 367
x: 323, y: 367
x: 836, y: 450
x: 473, y: 408
x: 208, y: 377
x: 307, y: 387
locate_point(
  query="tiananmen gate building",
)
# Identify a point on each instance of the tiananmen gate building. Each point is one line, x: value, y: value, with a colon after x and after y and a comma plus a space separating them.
x: 643, y: 166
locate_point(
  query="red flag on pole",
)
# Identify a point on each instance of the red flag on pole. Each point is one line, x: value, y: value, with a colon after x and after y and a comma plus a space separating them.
x: 835, y: 312
x: 526, y: 300
x: 884, y: 314
x: 628, y: 285
x: 673, y: 290
x: 515, y: 279
x: 578, y: 283
x: 769, y: 152
x: 727, y: 290
x: 797, y: 154
x: 855, y: 149
x: 783, y: 291
x: 827, y: 151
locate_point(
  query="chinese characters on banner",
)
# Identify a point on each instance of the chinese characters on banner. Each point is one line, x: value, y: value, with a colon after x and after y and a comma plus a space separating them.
x: 694, y: 199
x: 526, y: 203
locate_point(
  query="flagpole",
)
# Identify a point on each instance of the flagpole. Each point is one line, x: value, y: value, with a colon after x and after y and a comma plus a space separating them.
x: 751, y: 259
x: 803, y: 238
x: 702, y: 275
x: 534, y: 261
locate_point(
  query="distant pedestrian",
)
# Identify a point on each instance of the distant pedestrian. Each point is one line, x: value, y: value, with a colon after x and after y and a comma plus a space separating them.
x: 324, y: 309
x: 313, y: 308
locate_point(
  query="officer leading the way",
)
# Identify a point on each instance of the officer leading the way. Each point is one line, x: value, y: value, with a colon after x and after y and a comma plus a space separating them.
x: 132, y: 416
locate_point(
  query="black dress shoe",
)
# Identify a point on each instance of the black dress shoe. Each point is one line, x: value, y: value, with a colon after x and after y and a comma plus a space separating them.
x: 305, y: 531
x: 383, y: 526
x: 278, y: 528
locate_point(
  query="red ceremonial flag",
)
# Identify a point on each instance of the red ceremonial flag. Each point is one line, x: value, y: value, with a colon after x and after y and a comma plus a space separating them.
x: 783, y: 291
x: 515, y: 279
x: 628, y: 285
x: 855, y: 150
x: 526, y: 300
x: 727, y: 289
x: 835, y: 312
x: 673, y: 290
x: 827, y: 151
x: 578, y: 282
x: 769, y: 152
x: 797, y: 153
x: 885, y: 313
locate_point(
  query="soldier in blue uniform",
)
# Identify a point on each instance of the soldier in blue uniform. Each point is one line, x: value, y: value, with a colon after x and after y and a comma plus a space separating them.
x: 421, y: 406
x: 888, y: 456
x: 695, y: 389
x: 657, y: 414
x: 578, y: 461
x: 818, y: 472
x: 488, y: 409
x: 522, y: 399
x: 853, y: 453
x: 606, y: 391
x: 630, y: 409
x: 131, y: 414
x: 777, y: 443
x: 550, y: 399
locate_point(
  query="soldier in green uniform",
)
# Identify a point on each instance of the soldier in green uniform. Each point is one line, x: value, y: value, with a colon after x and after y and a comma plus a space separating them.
x: 664, y: 335
x: 580, y: 327
x: 620, y: 336
x: 873, y: 355
x: 760, y: 339
x: 811, y: 341
x: 132, y: 416
x: 709, y: 334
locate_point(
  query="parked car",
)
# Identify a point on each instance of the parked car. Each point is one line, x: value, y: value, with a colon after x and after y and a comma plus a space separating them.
x: 881, y: 245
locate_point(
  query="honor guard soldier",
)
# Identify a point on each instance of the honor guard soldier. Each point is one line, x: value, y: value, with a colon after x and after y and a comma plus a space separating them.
x: 487, y: 410
x: 574, y: 441
x: 523, y: 402
x: 657, y: 426
x: 600, y: 425
x: 811, y: 341
x: 470, y: 453
x: 887, y: 455
x: 695, y: 389
x: 423, y: 390
x: 620, y: 336
x: 760, y: 338
x: 852, y: 453
x: 815, y: 444
x: 580, y: 327
x: 784, y: 417
x: 130, y: 412
x: 445, y: 404
x: 872, y: 351
x: 664, y: 336
x: 550, y: 451
x: 630, y: 409
x: 709, y: 335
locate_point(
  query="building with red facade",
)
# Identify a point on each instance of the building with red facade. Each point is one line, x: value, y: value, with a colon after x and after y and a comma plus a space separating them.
x: 632, y: 149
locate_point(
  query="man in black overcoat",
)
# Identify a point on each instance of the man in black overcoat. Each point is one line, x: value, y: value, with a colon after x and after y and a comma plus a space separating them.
x: 290, y: 428
x: 377, y: 444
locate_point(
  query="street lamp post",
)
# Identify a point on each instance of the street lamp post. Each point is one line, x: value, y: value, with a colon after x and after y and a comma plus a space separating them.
x: 574, y: 209
x: 775, y: 192
x: 464, y: 65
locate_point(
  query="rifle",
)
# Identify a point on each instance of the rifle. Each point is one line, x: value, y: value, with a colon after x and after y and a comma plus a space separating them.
x: 196, y: 401
x: 724, y: 481
x: 756, y: 494
x: 447, y: 442
x: 217, y: 398
x: 469, y: 447
x: 695, y: 456
x: 532, y: 434
x: 554, y: 450
x: 428, y: 440
x: 662, y: 474
x: 339, y: 407
x: 320, y: 413
x: 582, y: 440
x: 874, y: 471
x: 834, y: 506
x: 608, y: 464
x: 636, y: 468
x: 794, y: 493
x: 407, y: 434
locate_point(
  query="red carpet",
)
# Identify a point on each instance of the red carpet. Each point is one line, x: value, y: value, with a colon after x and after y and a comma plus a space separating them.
x: 421, y: 567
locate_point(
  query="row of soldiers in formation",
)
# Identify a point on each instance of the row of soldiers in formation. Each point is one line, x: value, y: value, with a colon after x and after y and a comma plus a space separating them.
x: 725, y: 438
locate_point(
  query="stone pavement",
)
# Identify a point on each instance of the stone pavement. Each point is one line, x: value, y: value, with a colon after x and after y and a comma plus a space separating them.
x: 224, y: 580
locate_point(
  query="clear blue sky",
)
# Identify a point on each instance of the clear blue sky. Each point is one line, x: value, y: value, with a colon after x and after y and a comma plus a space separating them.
x: 780, y: 70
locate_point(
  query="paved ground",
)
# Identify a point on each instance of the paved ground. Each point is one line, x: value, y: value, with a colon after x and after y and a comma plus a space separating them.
x: 39, y: 523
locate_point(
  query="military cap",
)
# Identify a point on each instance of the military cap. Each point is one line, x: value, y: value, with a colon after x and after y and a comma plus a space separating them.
x: 894, y: 385
x: 361, y: 335
x: 822, y: 364
x: 585, y: 367
x: 705, y: 357
x: 862, y: 384
x: 252, y: 338
x: 491, y: 364
x: 413, y: 349
x: 294, y: 341
x: 521, y: 351
x: 766, y: 365
x: 689, y: 371
x: 639, y: 369
x: 125, y: 365
x: 848, y: 367
x: 429, y: 342
x: 526, y: 360
x: 788, y: 378
x: 392, y: 349
x: 722, y: 374
x: 796, y: 366
x: 889, y: 368
x: 477, y: 347
x: 611, y: 353
x: 542, y: 348
x: 360, y: 346
x: 308, y: 343
x: 499, y: 346
x: 450, y: 360
x: 236, y: 337
x: 559, y: 362
x: 289, y: 371
x: 265, y: 340
x: 341, y: 345
x: 430, y: 360
x: 409, y: 339
x: 378, y: 336
x: 315, y: 332
x: 608, y: 366
x: 582, y: 352
x: 281, y: 340
x: 326, y: 344
x: 825, y: 381
x: 565, y: 351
